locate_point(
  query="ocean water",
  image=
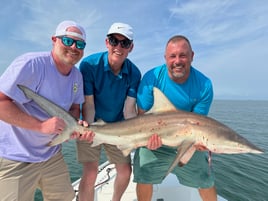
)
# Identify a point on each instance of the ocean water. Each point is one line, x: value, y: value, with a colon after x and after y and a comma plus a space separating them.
x: 242, y: 177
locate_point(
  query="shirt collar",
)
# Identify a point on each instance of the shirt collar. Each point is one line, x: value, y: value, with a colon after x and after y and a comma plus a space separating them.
x: 124, y: 69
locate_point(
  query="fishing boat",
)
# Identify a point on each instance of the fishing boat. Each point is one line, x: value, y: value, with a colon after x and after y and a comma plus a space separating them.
x: 169, y: 190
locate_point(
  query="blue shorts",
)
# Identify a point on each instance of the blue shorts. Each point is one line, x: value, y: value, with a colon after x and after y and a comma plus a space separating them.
x: 150, y: 167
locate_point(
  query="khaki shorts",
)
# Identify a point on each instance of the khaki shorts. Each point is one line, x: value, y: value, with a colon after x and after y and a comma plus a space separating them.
x: 19, y: 180
x: 86, y: 153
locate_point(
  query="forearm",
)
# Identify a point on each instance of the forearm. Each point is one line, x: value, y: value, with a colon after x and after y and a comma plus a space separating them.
x: 11, y: 114
x: 88, y: 109
x: 130, y: 114
x: 88, y: 114
x: 75, y: 111
x: 130, y: 109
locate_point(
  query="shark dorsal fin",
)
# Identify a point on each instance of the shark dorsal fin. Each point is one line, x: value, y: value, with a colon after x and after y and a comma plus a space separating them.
x: 161, y: 103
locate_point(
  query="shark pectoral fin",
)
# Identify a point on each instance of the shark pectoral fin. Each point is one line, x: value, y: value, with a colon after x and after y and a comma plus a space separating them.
x: 182, y: 154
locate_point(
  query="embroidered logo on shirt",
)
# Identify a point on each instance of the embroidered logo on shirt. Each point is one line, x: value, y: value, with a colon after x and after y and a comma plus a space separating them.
x: 75, y: 87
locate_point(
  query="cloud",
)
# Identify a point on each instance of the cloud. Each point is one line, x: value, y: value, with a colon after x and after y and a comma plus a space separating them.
x: 229, y: 37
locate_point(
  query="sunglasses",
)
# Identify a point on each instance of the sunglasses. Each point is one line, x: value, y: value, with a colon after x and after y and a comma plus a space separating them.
x: 79, y: 44
x: 123, y: 43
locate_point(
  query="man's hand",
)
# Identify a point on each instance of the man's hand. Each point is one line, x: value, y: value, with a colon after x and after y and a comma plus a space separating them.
x: 87, y: 135
x: 154, y: 142
x: 201, y: 148
x: 53, y: 125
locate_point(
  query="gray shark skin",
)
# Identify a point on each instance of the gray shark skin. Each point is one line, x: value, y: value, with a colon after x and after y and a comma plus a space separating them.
x: 186, y: 130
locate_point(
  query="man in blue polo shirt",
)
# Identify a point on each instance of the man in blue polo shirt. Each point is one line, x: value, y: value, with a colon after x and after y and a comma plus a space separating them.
x: 110, y: 86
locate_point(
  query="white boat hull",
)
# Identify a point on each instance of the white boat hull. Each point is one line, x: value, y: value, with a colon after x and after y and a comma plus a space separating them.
x: 169, y: 190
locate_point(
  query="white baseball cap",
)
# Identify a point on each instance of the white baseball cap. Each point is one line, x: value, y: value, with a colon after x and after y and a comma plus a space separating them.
x: 63, y: 26
x: 121, y: 28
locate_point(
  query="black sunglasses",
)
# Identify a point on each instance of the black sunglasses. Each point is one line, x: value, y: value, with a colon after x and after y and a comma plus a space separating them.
x: 79, y: 44
x: 123, y: 43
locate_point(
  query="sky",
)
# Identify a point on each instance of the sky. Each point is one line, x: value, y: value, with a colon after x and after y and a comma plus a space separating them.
x: 229, y: 37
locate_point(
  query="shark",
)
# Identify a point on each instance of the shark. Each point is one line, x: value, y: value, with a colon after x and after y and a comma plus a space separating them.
x: 186, y: 131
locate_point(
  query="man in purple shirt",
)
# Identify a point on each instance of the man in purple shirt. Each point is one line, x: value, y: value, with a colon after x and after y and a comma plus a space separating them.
x: 26, y: 162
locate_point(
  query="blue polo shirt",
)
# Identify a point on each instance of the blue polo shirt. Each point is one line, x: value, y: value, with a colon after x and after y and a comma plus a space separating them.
x: 194, y: 95
x: 109, y: 90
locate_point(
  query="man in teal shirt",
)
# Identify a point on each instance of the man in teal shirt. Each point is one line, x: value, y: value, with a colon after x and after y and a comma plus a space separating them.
x: 190, y: 90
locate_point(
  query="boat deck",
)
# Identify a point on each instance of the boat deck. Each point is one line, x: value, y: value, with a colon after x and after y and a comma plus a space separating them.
x: 169, y: 190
